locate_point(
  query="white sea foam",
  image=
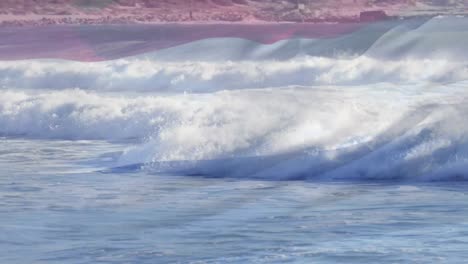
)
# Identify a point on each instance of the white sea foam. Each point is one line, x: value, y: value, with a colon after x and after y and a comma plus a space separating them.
x: 292, y: 132
x: 408, y: 52
x: 155, y: 76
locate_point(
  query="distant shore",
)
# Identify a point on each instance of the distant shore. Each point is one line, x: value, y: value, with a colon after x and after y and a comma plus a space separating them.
x: 45, y: 21
x: 22, y: 21
x: 113, y: 12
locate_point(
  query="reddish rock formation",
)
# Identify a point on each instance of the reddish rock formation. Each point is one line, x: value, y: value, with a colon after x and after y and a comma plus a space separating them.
x: 371, y: 16
x: 19, y: 12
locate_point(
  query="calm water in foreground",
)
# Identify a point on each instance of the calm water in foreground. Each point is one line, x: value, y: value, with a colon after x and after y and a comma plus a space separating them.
x: 55, y: 208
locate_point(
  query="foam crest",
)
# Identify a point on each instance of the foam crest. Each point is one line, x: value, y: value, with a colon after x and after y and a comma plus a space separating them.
x: 379, y: 131
x: 140, y: 75
x: 324, y: 134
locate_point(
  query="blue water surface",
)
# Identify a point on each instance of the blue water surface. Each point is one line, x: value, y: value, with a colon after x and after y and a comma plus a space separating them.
x: 57, y: 207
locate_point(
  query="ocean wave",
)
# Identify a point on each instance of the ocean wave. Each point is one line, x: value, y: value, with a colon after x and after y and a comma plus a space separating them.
x: 416, y: 38
x: 141, y: 75
x: 411, y: 51
x: 326, y: 135
x: 310, y: 117
x: 379, y: 131
x: 435, y: 38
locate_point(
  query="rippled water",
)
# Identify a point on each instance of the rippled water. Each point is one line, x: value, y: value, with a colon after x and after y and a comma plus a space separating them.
x: 54, y: 208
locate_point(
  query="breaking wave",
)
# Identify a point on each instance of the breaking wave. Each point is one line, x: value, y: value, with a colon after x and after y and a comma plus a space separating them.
x: 379, y: 131
x: 200, y: 77
x: 310, y: 117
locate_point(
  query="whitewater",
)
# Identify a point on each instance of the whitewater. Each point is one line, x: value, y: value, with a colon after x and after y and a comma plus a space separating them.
x: 268, y: 152
x: 395, y: 111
